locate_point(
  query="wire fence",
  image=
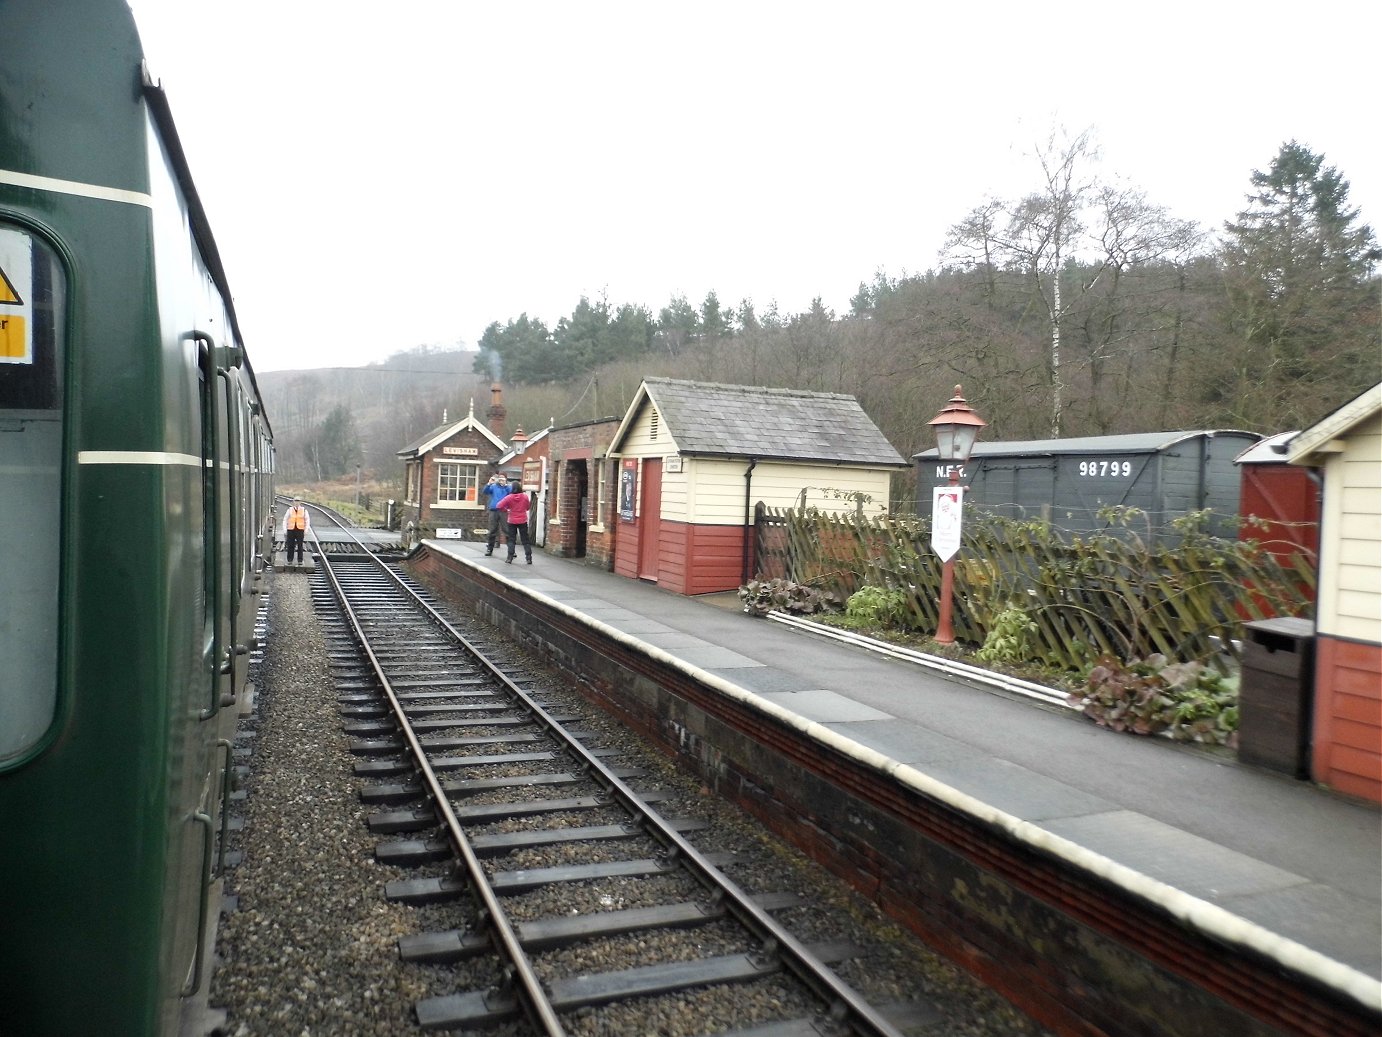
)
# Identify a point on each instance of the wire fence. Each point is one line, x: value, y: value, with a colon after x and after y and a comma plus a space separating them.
x: 1128, y: 592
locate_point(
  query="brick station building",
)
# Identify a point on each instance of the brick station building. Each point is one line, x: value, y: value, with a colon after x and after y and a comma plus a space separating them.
x: 580, y: 499
x: 444, y: 470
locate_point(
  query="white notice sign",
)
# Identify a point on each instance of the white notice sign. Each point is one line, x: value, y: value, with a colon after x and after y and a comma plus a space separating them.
x: 946, y: 505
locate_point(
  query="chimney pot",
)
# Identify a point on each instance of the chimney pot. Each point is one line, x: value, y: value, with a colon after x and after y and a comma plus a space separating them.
x: 496, y: 413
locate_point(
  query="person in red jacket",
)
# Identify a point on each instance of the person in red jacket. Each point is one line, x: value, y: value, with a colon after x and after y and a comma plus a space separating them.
x: 515, y: 505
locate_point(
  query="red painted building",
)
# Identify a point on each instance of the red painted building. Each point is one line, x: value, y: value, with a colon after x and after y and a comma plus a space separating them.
x: 1346, y: 740
x: 692, y: 459
x: 1281, y: 501
x: 1279, y: 504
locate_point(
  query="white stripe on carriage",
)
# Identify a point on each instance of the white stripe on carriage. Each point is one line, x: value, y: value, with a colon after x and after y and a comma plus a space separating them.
x: 154, y: 457
x: 48, y: 183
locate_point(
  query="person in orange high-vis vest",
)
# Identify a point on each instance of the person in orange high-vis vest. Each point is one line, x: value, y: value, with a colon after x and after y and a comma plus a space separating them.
x: 295, y: 525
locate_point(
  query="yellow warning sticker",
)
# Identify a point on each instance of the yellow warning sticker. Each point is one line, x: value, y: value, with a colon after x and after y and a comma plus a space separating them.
x: 8, y: 295
x: 16, y: 308
x: 14, y: 341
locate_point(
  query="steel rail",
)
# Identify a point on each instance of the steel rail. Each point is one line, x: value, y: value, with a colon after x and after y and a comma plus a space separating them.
x: 847, y: 1007
x: 859, y: 1015
x: 534, y: 997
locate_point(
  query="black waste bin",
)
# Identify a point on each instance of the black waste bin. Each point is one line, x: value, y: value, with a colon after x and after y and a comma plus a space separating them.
x: 1276, y: 694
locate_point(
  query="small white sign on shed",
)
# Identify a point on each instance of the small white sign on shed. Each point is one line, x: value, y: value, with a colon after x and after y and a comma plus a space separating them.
x: 450, y: 534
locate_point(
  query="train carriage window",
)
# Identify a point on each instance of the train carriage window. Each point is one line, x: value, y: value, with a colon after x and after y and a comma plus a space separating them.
x: 32, y: 300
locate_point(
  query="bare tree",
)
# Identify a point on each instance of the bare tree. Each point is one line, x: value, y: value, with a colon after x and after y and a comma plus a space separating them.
x: 1063, y: 243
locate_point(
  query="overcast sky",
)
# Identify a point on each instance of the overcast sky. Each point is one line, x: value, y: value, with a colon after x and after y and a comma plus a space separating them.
x: 381, y: 176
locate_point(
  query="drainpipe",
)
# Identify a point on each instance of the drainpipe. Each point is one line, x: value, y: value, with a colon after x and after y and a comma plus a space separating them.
x: 748, y: 515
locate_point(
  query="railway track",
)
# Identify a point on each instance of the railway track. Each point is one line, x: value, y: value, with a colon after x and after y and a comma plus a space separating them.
x: 553, y: 886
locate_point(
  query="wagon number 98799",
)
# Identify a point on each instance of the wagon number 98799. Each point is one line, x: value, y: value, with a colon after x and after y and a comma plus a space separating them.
x: 1113, y: 468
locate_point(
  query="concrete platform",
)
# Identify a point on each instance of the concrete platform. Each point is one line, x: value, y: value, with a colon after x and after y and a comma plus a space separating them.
x: 1287, y: 864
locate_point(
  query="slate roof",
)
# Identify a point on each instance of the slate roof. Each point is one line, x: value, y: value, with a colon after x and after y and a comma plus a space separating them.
x: 446, y: 431
x: 1131, y: 443
x: 710, y: 420
x: 440, y: 432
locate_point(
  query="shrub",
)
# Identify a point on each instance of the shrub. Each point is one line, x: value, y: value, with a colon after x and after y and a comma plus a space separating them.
x: 1187, y: 701
x: 877, y: 607
x: 763, y: 596
x: 1006, y: 641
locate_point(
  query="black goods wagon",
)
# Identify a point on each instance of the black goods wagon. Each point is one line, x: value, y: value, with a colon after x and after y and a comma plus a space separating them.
x: 136, y: 493
x: 1073, y: 483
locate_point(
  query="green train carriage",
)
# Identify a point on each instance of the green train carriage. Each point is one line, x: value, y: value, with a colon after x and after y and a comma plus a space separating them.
x: 136, y: 494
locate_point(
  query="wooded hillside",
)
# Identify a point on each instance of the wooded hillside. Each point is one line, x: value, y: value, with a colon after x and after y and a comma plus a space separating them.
x: 1080, y: 309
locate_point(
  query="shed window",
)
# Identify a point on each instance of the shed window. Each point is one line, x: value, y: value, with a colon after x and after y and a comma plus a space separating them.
x: 32, y: 300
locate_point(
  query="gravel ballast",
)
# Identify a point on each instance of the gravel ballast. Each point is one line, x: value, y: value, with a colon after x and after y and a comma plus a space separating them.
x: 308, y: 944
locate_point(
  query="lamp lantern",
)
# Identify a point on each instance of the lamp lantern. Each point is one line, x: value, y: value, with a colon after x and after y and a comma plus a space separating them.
x: 957, y: 427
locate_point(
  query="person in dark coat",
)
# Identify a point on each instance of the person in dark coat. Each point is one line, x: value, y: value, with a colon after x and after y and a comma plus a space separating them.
x: 515, y: 505
x: 494, y: 491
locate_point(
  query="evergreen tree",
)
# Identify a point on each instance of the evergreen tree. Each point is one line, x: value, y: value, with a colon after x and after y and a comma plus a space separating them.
x: 631, y: 333
x: 521, y: 351
x: 1302, y: 298
x: 746, y: 317
x: 714, y: 322
x: 678, y: 324
x: 333, y: 448
x: 583, y: 340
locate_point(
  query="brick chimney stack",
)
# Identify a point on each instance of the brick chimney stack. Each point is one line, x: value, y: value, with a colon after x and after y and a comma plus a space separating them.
x: 496, y: 413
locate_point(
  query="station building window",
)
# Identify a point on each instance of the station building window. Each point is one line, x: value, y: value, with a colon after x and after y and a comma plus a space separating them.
x: 456, y: 482
x: 601, y: 493
x: 33, y: 291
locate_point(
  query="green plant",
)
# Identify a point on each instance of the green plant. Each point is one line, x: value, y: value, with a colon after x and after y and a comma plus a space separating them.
x: 1006, y: 641
x: 1128, y: 591
x: 763, y: 596
x: 1187, y: 701
x: 878, y: 607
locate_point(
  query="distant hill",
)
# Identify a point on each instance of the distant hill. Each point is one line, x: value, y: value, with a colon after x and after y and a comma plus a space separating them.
x: 391, y: 404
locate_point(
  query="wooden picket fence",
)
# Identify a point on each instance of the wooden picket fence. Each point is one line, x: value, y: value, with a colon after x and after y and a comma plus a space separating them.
x: 1125, y: 592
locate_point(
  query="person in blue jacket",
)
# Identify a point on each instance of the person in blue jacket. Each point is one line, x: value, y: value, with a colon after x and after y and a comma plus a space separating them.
x: 494, y: 491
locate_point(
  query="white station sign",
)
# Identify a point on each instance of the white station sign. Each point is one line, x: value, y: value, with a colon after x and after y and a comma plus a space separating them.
x: 947, y: 503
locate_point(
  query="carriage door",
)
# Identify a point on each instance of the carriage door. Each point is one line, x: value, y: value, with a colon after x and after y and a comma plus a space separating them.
x: 650, y: 519
x: 32, y: 301
x: 212, y: 451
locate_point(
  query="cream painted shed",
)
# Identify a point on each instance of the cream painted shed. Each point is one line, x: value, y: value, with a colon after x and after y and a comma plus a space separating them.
x: 694, y: 458
x: 1346, y: 740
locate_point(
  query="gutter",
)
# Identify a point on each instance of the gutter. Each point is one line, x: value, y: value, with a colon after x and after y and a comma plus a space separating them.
x: 748, y: 518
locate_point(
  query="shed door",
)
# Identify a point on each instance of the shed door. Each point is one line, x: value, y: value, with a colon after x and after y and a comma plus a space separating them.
x: 650, y: 519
